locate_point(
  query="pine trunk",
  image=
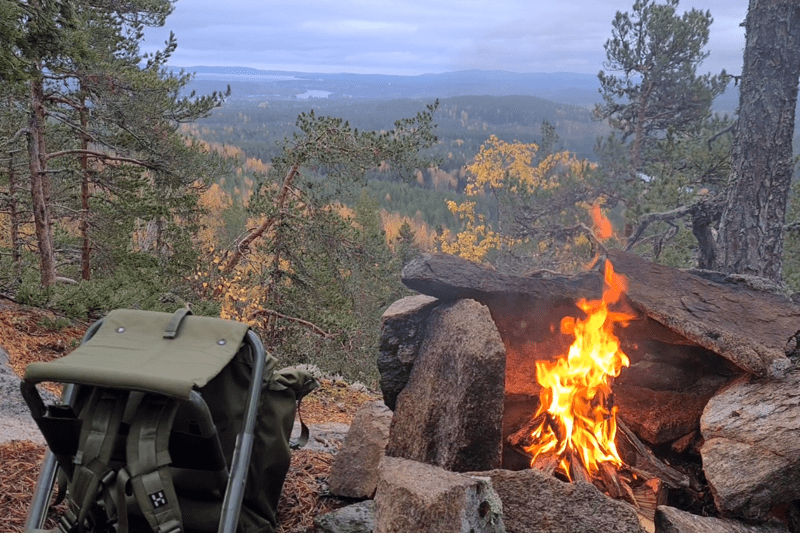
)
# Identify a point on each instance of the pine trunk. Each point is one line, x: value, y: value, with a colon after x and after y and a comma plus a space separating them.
x: 86, y: 244
x: 13, y: 211
x: 751, y: 231
x: 40, y: 186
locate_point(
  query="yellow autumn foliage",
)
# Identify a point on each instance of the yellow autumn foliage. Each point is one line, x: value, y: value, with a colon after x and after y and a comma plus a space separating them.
x: 507, y: 170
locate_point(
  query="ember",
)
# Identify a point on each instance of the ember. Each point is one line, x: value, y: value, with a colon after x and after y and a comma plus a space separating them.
x: 578, y: 420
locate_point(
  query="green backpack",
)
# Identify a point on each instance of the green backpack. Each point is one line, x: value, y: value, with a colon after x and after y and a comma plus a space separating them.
x: 156, y: 435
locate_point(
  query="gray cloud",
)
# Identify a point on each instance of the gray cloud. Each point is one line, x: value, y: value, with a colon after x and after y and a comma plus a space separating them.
x: 417, y: 36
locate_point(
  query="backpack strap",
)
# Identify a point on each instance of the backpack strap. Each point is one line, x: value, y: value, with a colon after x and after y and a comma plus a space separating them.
x: 102, y: 418
x: 148, y: 463
x: 171, y: 331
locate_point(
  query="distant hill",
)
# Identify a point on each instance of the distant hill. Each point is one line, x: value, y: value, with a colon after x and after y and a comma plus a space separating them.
x: 251, y: 84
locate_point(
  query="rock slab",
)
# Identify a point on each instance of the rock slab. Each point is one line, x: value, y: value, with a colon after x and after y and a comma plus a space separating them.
x: 420, y: 498
x: 354, y: 473
x: 535, y: 503
x: 751, y: 454
x: 450, y: 413
x: 659, y: 416
x: 402, y: 331
x: 671, y: 520
x: 356, y: 518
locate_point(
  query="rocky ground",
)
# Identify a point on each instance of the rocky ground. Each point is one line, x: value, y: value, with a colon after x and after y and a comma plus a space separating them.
x: 28, y: 335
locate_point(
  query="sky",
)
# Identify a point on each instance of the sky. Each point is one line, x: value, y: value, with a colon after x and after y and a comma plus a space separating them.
x: 411, y: 37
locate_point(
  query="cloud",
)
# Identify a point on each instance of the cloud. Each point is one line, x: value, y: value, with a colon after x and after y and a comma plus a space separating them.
x: 416, y: 36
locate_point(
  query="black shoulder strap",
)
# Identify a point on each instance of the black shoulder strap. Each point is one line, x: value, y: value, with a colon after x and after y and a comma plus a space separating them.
x: 148, y: 463
x: 101, y: 417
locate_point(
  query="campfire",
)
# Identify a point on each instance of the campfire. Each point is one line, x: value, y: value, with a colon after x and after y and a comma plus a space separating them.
x: 576, y: 416
x: 650, y: 383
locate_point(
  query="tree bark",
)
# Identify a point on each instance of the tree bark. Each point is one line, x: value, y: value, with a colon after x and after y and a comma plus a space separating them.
x: 86, y: 244
x: 280, y: 202
x: 751, y: 230
x: 40, y: 184
x: 13, y: 208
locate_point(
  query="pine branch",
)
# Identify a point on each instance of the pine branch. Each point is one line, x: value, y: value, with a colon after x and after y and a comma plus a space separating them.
x: 280, y: 201
x: 99, y: 155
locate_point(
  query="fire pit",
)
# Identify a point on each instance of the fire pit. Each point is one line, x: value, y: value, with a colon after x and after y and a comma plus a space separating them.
x: 604, y: 378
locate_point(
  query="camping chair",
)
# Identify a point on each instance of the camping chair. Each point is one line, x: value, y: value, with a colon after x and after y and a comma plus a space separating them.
x: 158, y: 415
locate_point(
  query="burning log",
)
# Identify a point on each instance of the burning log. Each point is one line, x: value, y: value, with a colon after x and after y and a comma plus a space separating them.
x: 612, y: 482
x: 522, y: 437
x: 546, y: 464
x: 577, y: 472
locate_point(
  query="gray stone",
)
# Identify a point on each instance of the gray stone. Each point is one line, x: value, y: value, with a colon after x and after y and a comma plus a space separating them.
x: 16, y: 422
x: 420, y: 498
x: 402, y: 331
x: 450, y: 413
x: 671, y: 520
x: 535, y: 503
x: 323, y: 437
x: 356, y: 518
x: 354, y: 473
x: 751, y: 454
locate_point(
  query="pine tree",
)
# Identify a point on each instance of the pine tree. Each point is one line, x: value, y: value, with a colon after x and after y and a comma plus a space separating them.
x: 656, y: 53
x: 751, y: 233
x: 118, y: 119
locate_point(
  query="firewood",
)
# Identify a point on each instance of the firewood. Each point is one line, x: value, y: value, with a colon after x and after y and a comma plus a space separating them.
x: 684, y: 443
x: 628, y: 492
x: 577, y: 472
x: 649, y: 495
x: 522, y: 437
x: 611, y: 481
x: 648, y: 524
x: 546, y: 464
x: 647, y: 463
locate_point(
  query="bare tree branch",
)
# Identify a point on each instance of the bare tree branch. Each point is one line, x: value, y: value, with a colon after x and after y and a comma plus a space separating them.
x: 673, y: 214
x: 269, y: 312
x: 280, y: 201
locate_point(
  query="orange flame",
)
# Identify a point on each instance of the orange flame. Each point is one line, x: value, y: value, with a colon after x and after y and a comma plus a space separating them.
x: 578, y: 419
x: 602, y: 225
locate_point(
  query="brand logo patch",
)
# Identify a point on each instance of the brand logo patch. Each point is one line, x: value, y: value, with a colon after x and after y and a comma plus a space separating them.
x: 158, y: 499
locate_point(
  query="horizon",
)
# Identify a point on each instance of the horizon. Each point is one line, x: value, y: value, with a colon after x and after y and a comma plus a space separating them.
x: 233, y: 67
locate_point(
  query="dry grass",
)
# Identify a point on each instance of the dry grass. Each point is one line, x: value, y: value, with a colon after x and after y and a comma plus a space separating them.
x: 304, y: 491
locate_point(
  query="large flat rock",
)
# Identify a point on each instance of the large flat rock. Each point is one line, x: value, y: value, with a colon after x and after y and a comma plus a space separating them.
x: 671, y: 520
x: 751, y: 454
x: 536, y: 503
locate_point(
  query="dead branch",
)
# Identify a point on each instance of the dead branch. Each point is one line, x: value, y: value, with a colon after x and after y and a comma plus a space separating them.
x: 648, y: 464
x: 673, y: 214
x: 705, y: 204
x: 720, y: 134
x: 280, y: 201
x: 269, y: 312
